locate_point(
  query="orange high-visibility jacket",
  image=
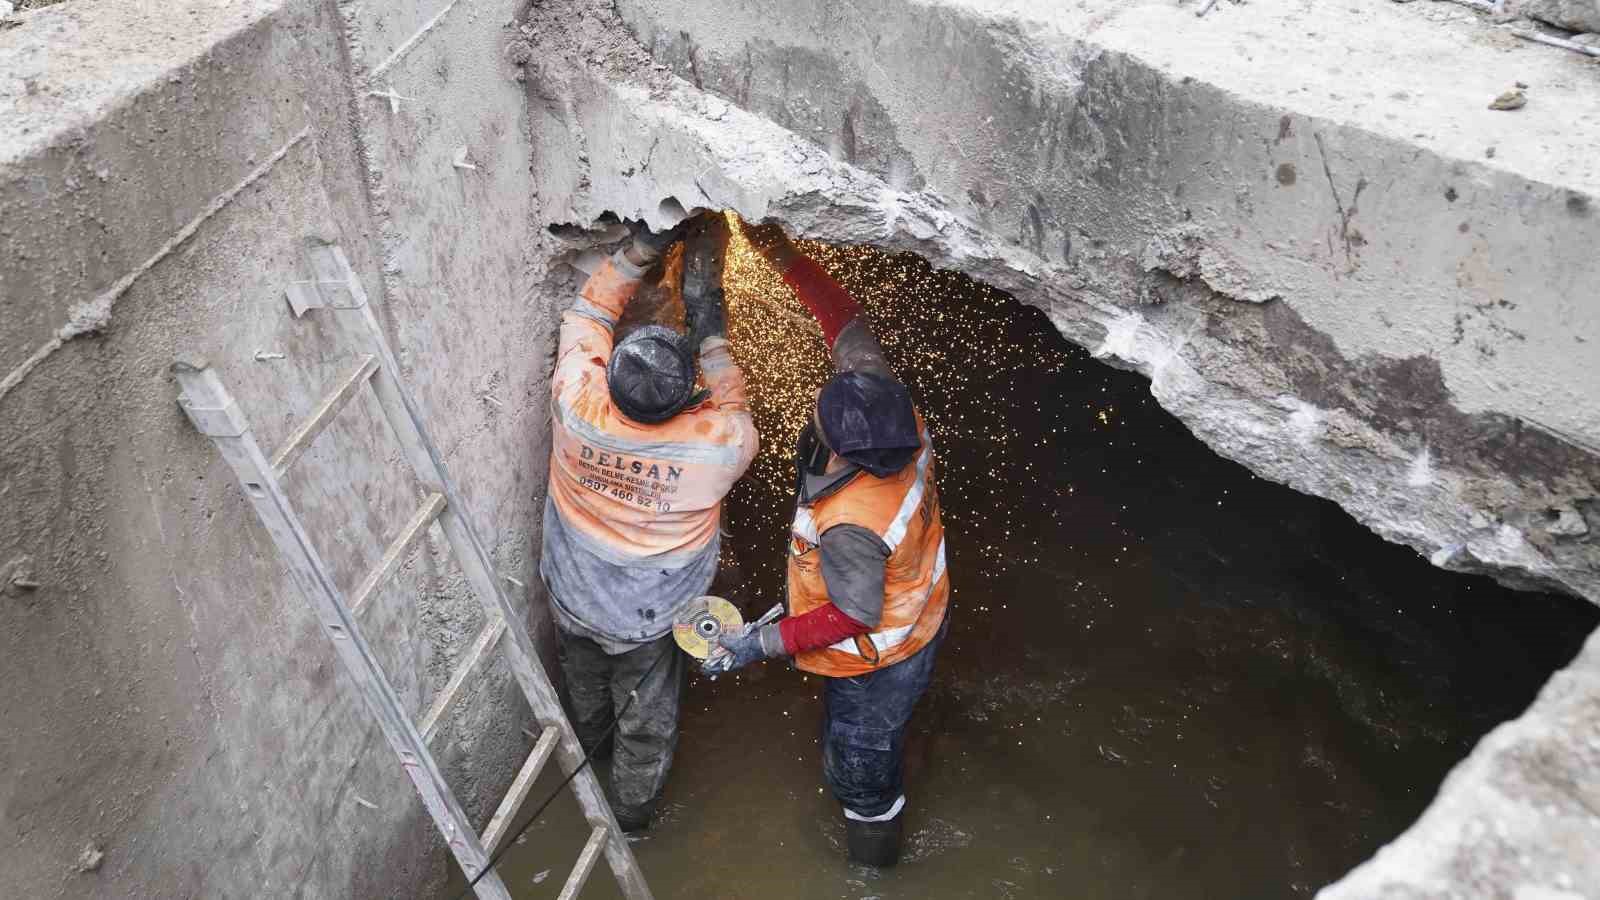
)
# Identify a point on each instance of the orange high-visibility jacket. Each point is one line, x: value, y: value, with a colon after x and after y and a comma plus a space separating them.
x: 903, y: 511
x: 636, y: 502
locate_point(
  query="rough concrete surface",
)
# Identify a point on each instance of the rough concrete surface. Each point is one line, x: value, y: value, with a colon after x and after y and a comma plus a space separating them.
x: 1313, y: 246
x: 1517, y: 820
x: 173, y: 712
x: 1300, y: 220
x: 1575, y: 15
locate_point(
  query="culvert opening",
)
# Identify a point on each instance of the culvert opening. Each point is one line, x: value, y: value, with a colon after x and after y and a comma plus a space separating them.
x: 1164, y: 677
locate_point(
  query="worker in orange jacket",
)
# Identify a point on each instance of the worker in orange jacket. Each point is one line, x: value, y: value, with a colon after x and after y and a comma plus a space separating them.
x: 867, y: 586
x: 641, y: 461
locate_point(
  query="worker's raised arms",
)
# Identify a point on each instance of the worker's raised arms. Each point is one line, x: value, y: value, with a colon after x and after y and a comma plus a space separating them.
x: 838, y: 313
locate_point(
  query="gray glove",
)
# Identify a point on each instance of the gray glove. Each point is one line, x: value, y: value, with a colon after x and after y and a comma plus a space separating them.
x: 734, y: 652
x: 649, y: 245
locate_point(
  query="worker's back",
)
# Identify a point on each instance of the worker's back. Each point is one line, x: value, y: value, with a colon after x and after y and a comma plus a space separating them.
x: 630, y: 528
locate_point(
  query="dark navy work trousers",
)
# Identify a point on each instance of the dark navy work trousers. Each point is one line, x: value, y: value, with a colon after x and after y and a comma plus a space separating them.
x: 864, y: 729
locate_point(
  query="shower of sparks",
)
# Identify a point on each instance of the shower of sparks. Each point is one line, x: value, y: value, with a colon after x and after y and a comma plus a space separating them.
x: 780, y: 349
x: 955, y: 344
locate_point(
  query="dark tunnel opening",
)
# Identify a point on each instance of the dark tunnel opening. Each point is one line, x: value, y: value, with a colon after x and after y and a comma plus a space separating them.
x: 1165, y: 676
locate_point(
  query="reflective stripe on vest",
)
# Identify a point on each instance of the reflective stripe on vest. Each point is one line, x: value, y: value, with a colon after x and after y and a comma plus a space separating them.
x: 896, y: 532
x: 677, y: 451
x: 584, y: 308
x: 804, y: 525
x: 894, y: 637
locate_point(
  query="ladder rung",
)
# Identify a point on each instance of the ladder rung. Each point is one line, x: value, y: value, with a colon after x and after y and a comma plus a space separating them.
x: 474, y: 657
x: 586, y: 861
x: 520, y: 786
x: 326, y: 411
x: 392, y: 557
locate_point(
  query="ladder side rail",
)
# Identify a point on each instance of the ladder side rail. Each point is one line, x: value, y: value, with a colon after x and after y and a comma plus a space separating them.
x: 216, y: 415
x: 424, y: 457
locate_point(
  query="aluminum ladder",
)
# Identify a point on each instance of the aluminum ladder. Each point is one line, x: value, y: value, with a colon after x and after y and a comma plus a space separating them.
x: 334, y: 285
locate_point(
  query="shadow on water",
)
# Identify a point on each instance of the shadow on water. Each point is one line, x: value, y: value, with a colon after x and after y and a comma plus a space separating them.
x: 1165, y: 677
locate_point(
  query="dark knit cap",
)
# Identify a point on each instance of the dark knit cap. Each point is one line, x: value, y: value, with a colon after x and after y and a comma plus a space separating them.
x: 869, y: 419
x: 651, y: 375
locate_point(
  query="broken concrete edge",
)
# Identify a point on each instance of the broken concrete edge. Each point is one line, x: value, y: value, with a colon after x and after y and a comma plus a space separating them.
x: 726, y: 158
x: 67, y: 67
x: 1096, y: 133
x: 1520, y: 817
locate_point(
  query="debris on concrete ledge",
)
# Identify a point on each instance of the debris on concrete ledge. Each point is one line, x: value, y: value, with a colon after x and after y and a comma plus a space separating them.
x: 1514, y: 98
x: 1567, y: 522
x: 1586, y: 44
x: 89, y: 860
x: 17, y: 578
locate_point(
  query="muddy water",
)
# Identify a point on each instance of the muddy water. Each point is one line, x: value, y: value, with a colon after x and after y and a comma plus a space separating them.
x: 1164, y: 678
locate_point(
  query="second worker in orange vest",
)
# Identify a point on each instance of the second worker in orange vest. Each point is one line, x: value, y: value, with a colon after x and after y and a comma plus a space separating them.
x: 867, y: 583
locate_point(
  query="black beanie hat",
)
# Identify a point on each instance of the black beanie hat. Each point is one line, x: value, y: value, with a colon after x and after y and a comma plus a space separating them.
x: 869, y: 420
x: 651, y: 375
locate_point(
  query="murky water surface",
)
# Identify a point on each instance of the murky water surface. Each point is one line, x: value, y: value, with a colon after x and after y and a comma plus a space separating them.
x: 1165, y: 677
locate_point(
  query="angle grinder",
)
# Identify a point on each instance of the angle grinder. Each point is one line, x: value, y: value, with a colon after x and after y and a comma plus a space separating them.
x: 705, y: 619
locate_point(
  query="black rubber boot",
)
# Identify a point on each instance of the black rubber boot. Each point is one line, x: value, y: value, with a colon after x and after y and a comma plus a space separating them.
x: 873, y: 843
x: 634, y: 820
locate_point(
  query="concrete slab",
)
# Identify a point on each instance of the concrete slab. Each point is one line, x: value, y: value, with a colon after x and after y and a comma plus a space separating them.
x: 1319, y: 173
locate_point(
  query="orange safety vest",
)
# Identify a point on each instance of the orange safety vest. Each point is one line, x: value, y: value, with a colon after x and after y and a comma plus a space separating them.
x: 631, y: 491
x: 903, y: 511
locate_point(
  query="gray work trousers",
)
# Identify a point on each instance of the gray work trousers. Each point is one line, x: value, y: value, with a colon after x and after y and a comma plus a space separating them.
x: 641, y: 748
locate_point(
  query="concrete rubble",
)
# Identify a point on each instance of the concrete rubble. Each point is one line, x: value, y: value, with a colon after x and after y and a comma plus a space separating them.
x: 1573, y: 15
x: 1334, y: 262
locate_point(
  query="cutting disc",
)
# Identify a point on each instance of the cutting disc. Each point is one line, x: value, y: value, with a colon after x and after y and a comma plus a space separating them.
x: 705, y: 618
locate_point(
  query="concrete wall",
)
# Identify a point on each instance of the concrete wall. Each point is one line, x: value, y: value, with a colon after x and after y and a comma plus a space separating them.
x: 176, y: 724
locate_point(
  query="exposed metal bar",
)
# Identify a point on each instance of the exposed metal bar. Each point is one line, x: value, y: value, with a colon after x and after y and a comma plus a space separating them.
x: 410, y: 43
x: 214, y: 412
x: 326, y: 412
x: 1541, y: 38
x: 398, y: 550
x: 586, y: 861
x: 470, y: 661
x: 500, y: 825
